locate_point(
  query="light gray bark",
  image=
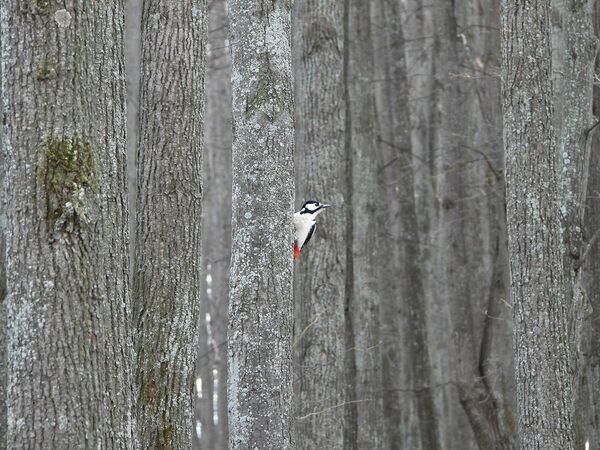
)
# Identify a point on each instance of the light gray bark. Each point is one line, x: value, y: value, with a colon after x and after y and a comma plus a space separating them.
x: 544, y: 351
x: 590, y: 395
x: 69, y: 343
x: 261, y: 303
x: 410, y: 415
x: 3, y: 361
x: 364, y: 347
x: 167, y: 262
x: 574, y: 50
x: 322, y: 161
x: 133, y: 42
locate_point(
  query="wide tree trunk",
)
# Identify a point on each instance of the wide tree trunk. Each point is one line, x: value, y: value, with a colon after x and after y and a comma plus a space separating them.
x: 261, y: 308
x: 544, y: 351
x: 167, y: 263
x: 322, y: 161
x: 68, y: 307
x: 365, y: 406
x: 410, y: 416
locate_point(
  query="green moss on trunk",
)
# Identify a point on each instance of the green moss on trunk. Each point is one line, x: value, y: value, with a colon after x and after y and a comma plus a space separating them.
x: 67, y: 174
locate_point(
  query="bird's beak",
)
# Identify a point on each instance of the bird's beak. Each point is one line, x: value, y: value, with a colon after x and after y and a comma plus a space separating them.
x: 325, y: 206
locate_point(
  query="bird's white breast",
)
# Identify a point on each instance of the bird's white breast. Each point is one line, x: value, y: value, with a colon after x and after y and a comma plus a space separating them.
x: 303, y: 224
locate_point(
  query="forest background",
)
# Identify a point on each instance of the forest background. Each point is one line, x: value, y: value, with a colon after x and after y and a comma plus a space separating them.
x: 448, y: 300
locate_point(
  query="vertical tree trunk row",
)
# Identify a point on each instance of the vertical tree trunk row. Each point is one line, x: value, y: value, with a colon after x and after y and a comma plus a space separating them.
x: 261, y: 285
x: 544, y: 364
x: 167, y: 262
x: 64, y: 141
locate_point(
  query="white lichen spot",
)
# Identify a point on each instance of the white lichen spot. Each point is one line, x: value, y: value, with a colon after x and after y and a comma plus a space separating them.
x: 63, y: 423
x: 248, y: 215
x: 62, y: 18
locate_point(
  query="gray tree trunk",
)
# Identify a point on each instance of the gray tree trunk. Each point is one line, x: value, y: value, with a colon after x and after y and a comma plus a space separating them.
x: 261, y: 301
x: 68, y: 309
x: 459, y: 283
x: 544, y: 354
x: 322, y: 161
x: 410, y: 415
x: 167, y: 262
x: 3, y: 361
x: 364, y: 347
x: 590, y: 395
x: 573, y: 51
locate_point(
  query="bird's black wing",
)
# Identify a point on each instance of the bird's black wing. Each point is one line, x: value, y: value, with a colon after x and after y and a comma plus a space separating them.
x: 310, y: 233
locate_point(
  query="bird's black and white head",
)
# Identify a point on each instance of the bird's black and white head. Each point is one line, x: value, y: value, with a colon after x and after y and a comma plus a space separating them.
x: 313, y: 208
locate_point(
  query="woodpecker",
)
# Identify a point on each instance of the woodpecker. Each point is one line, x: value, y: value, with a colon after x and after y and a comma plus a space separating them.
x: 305, y: 224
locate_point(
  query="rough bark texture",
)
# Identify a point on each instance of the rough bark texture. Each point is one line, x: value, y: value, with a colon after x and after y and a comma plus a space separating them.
x: 261, y: 308
x: 410, y: 417
x: 167, y: 263
x: 545, y: 366
x: 590, y: 394
x: 320, y: 290
x: 3, y: 360
x: 68, y: 334
x: 574, y: 50
x: 364, y: 347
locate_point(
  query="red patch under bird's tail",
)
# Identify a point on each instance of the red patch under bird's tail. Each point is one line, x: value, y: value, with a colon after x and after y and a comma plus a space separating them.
x: 296, y: 251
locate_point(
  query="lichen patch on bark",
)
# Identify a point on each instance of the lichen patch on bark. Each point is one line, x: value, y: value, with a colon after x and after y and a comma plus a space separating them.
x: 67, y: 174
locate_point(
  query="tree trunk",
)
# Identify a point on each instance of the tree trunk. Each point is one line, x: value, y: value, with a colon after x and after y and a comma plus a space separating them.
x: 261, y: 308
x: 574, y: 50
x: 320, y: 290
x: 410, y: 416
x: 167, y: 263
x: 68, y: 309
x: 544, y: 355
x: 590, y: 395
x: 364, y: 346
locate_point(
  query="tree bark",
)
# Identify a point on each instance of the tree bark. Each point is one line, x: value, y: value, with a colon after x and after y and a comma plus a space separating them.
x: 322, y: 161
x: 574, y: 50
x: 69, y: 343
x: 261, y: 286
x: 167, y: 266
x: 544, y: 355
x: 590, y: 394
x: 409, y: 409
x: 365, y: 403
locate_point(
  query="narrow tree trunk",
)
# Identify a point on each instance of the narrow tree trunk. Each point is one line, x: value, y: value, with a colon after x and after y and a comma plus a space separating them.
x: 68, y: 321
x: 545, y: 367
x: 364, y: 196
x: 320, y: 292
x: 574, y: 51
x: 167, y: 266
x: 410, y: 416
x: 261, y: 308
